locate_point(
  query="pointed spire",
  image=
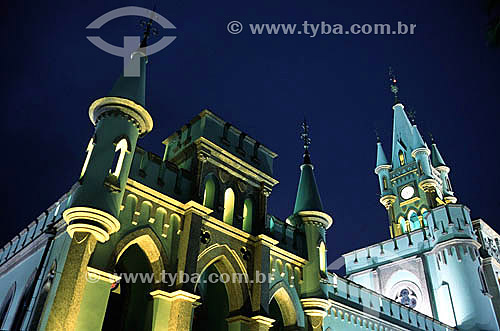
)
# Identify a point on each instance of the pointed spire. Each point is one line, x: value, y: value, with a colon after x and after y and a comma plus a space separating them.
x: 131, y: 84
x: 308, y: 198
x: 436, y: 158
x: 381, y: 158
x: 418, y: 141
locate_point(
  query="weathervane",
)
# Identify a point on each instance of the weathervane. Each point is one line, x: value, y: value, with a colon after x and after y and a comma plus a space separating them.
x: 148, y: 28
x: 394, y: 87
x: 307, y: 142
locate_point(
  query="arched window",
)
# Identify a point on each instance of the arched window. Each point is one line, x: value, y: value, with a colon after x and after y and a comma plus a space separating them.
x: 402, y: 223
x: 401, y: 158
x: 228, y: 206
x: 6, y: 305
x: 322, y: 256
x: 120, y: 151
x: 413, y: 219
x: 247, y: 215
x: 90, y: 148
x: 209, y: 193
x: 483, y: 280
x: 424, y: 213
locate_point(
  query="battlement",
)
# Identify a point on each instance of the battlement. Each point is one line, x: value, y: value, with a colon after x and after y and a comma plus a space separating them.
x: 488, y: 238
x: 289, y: 237
x: 445, y: 222
x: 223, y: 134
x: 388, y: 251
x: 161, y: 175
x: 450, y: 221
x: 37, y: 228
x: 350, y: 294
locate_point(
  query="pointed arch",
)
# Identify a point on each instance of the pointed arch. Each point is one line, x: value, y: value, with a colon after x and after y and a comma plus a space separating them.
x: 210, y: 192
x: 149, y: 243
x: 247, y: 215
x: 289, y: 304
x: 6, y: 305
x: 226, y: 261
x: 229, y: 201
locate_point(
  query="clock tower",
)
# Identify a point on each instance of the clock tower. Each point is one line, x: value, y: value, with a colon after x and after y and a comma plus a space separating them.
x: 415, y: 181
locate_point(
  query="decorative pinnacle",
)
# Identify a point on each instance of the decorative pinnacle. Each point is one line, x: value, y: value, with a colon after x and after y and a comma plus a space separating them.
x: 148, y: 29
x: 307, y: 142
x: 394, y: 87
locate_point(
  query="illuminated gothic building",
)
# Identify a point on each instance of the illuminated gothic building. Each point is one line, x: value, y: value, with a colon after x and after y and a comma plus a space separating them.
x: 201, y: 208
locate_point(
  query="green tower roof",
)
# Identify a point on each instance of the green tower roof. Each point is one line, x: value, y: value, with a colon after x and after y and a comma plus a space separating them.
x: 381, y: 158
x: 418, y: 141
x: 132, y: 87
x: 307, y: 194
x: 436, y: 158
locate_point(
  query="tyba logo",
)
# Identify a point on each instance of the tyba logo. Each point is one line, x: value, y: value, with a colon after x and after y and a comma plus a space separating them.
x: 131, y: 44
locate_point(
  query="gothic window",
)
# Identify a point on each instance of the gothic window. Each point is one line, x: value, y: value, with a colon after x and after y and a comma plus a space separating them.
x: 402, y: 223
x: 90, y: 148
x: 449, y: 184
x: 401, y: 158
x: 120, y: 151
x: 228, y: 206
x: 413, y: 219
x: 407, y: 297
x: 384, y: 180
x: 4, y: 309
x: 424, y: 213
x: 322, y: 256
x: 483, y: 280
x: 247, y: 215
x: 209, y: 193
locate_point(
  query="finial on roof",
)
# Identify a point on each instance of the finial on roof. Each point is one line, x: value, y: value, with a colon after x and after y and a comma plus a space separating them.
x: 148, y: 29
x: 307, y: 141
x: 394, y: 86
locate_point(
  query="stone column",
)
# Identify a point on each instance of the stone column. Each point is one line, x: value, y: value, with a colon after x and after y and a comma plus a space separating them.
x: 243, y: 323
x: 316, y: 310
x: 173, y: 311
x: 86, y: 226
x: 95, y: 299
x: 71, y: 288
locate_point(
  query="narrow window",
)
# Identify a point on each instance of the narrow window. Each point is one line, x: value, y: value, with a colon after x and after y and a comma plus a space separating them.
x: 449, y: 184
x: 228, y: 206
x: 414, y: 220
x: 483, y: 280
x: 90, y: 148
x: 209, y: 193
x: 401, y: 158
x: 402, y: 223
x: 247, y: 215
x: 322, y: 256
x: 384, y: 180
x: 120, y: 151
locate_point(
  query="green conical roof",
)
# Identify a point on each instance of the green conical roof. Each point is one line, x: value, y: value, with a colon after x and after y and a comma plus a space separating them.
x: 418, y: 141
x: 307, y: 194
x: 132, y: 87
x: 436, y: 158
x: 381, y: 159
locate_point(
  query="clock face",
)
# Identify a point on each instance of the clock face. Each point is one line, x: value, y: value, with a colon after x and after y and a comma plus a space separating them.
x: 407, y: 192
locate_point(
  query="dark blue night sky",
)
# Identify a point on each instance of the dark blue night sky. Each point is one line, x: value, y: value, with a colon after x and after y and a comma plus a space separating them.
x: 263, y: 85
